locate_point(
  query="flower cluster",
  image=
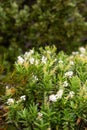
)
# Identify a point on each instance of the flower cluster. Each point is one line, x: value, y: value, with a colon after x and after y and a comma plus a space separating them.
x: 65, y: 84
x: 20, y: 60
x: 29, y: 59
x: 69, y: 74
x: 55, y: 97
x: 60, y: 62
x: 71, y: 63
x: 11, y: 101
x: 82, y: 50
x: 40, y: 115
x: 23, y: 98
x: 44, y: 59
x: 71, y: 94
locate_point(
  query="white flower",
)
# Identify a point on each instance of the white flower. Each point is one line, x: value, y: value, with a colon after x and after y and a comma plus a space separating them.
x: 49, y: 52
x: 7, y: 87
x: 31, y: 60
x: 59, y: 94
x: 40, y: 114
x: 31, y: 51
x: 82, y: 49
x: 65, y: 84
x: 75, y: 52
x: 10, y: 101
x: 44, y: 59
x: 60, y: 62
x: 52, y: 98
x: 69, y: 74
x: 55, y: 59
x: 82, y: 55
x: 20, y: 60
x: 26, y: 55
x: 23, y: 98
x: 35, y: 78
x: 71, y: 63
x: 71, y: 94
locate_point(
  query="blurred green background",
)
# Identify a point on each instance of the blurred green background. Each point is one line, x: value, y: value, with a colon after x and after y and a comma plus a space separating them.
x: 33, y: 23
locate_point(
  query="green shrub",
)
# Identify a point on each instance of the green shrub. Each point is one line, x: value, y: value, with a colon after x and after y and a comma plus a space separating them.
x: 47, y: 90
x: 8, y: 56
x: 41, y: 23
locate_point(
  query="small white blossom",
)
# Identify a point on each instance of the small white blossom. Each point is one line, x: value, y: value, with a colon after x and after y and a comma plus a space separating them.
x: 44, y: 59
x: 71, y: 63
x: 69, y: 74
x: 35, y: 78
x: 60, y: 62
x: 26, y: 55
x: 65, y: 84
x: 31, y: 60
x: 82, y: 55
x: 75, y: 52
x: 55, y: 59
x: 10, y: 101
x: 31, y: 51
x: 23, y: 98
x: 71, y: 94
x: 20, y: 60
x: 52, y: 98
x: 59, y: 94
x: 40, y: 115
x: 49, y: 52
x: 82, y: 49
x: 7, y: 87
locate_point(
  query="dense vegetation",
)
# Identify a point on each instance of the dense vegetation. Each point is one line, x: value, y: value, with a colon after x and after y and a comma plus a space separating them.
x: 38, y: 23
x: 47, y: 91
x: 43, y: 82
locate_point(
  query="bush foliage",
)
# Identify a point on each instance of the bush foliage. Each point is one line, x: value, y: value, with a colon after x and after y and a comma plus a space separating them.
x: 37, y: 23
x: 43, y: 90
x: 47, y: 91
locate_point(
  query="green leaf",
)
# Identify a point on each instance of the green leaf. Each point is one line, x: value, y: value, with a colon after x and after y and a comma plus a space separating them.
x: 75, y: 83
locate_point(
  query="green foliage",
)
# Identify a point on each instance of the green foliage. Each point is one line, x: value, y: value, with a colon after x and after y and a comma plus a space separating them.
x: 47, y: 91
x: 7, y: 58
x: 41, y: 23
x: 12, y: 23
